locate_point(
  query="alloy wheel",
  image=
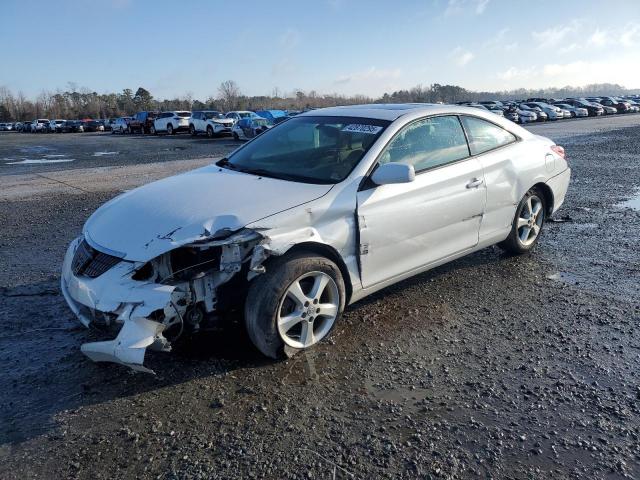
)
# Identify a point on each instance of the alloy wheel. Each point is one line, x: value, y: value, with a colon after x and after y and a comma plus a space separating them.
x: 308, y: 309
x: 530, y: 220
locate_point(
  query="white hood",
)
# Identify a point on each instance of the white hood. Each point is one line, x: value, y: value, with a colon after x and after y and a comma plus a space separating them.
x: 153, y: 219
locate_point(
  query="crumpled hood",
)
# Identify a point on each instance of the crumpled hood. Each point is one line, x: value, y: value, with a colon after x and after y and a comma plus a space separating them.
x: 155, y: 218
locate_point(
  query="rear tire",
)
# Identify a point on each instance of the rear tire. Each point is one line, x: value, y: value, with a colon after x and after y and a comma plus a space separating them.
x: 152, y: 130
x: 296, y: 303
x: 527, y: 224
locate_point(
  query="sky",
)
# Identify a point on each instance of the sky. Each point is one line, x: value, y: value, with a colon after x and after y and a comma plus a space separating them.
x: 174, y: 48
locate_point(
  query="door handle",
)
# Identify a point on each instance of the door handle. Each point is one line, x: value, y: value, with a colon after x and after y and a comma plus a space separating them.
x: 476, y: 182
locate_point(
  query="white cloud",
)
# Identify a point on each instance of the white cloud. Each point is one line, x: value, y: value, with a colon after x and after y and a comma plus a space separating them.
x: 599, y: 38
x: 630, y: 36
x: 371, y: 73
x: 461, y: 57
x: 515, y: 72
x: 456, y: 7
x: 498, y: 41
x: 572, y: 47
x: 481, y: 6
x: 554, y: 36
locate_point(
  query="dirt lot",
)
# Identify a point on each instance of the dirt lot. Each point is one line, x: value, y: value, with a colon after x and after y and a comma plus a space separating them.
x: 491, y: 366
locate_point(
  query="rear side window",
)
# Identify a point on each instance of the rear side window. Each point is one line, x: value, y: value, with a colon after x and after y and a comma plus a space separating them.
x: 484, y: 136
x: 428, y: 143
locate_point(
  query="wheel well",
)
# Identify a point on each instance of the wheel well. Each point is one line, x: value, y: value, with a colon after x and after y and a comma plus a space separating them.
x: 547, y: 193
x: 330, y: 253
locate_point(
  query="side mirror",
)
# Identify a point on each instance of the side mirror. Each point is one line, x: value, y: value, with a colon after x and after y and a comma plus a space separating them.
x: 388, y: 173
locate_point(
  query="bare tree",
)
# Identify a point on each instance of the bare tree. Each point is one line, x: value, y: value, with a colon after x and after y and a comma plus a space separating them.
x: 228, y: 94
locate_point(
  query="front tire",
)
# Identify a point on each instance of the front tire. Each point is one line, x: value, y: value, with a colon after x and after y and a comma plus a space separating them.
x: 170, y: 129
x: 295, y: 304
x: 527, y: 224
x: 192, y: 131
x: 209, y: 132
x: 235, y: 136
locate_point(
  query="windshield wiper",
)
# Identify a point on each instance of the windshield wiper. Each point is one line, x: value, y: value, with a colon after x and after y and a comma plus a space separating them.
x: 224, y: 162
x: 268, y: 173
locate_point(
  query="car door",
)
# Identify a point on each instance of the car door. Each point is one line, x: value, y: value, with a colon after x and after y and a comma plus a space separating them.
x: 501, y: 157
x: 405, y: 227
x: 198, y: 121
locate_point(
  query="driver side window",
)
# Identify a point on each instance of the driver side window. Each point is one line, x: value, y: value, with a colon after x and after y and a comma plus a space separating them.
x: 428, y: 143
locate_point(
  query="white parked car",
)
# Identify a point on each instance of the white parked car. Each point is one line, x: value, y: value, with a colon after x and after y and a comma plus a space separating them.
x: 573, y: 111
x: 171, y: 122
x: 211, y: 122
x: 6, y: 127
x: 526, y: 115
x: 55, y: 126
x: 40, y: 125
x: 314, y: 214
x: 120, y: 125
x: 541, y: 116
x: 553, y: 112
x: 249, y: 127
x: 238, y: 114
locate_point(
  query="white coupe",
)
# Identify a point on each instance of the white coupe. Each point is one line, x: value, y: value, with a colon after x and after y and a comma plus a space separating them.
x: 312, y: 215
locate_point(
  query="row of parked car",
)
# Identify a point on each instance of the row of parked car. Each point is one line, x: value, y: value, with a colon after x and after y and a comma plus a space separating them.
x: 240, y: 124
x: 243, y: 124
x: 543, y: 109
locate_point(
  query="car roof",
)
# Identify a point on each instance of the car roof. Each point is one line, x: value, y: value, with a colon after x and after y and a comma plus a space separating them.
x: 386, y: 111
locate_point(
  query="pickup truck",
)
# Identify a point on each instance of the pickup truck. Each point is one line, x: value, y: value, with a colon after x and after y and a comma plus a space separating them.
x: 142, y: 122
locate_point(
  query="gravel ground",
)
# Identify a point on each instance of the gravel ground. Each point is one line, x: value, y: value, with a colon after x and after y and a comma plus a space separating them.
x: 491, y: 366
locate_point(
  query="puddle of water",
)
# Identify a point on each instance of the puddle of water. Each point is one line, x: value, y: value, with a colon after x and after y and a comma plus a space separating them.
x: 102, y: 154
x: 564, y: 277
x: 633, y: 203
x: 29, y: 161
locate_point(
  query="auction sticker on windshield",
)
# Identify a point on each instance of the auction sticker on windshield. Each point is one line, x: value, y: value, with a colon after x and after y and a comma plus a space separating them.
x: 361, y: 128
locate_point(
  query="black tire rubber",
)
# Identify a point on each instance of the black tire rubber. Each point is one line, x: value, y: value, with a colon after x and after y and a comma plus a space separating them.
x: 209, y: 132
x: 512, y: 243
x: 170, y: 130
x: 235, y: 136
x: 192, y: 131
x: 266, y: 291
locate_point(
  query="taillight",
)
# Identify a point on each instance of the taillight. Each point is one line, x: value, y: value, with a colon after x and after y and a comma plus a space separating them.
x: 558, y: 150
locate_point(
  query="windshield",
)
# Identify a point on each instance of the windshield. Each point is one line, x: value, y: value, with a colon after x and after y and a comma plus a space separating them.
x: 320, y: 150
x: 246, y: 114
x: 209, y: 115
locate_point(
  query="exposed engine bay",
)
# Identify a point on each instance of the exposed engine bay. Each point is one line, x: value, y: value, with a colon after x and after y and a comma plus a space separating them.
x: 153, y: 304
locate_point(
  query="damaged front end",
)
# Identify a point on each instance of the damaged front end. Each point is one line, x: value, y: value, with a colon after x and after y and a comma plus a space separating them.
x: 153, y: 303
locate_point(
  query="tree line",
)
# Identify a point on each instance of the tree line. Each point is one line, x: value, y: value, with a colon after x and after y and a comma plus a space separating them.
x: 75, y: 102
